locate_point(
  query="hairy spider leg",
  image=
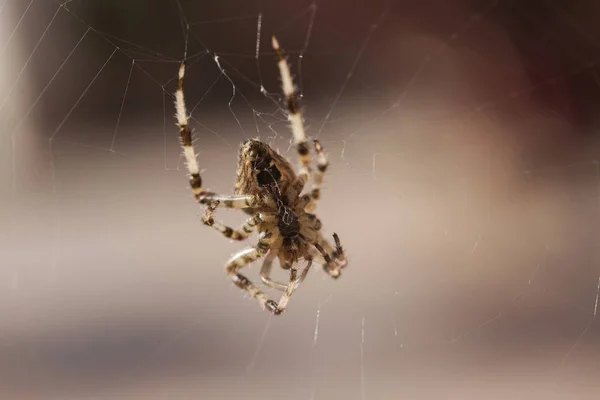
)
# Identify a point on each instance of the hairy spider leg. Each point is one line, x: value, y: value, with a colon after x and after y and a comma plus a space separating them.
x: 234, y: 234
x: 249, y: 255
x: 322, y: 164
x: 265, y: 271
x: 204, y: 197
x: 332, y: 258
x: 294, y: 114
x: 297, y: 125
x: 295, y: 281
x: 245, y: 257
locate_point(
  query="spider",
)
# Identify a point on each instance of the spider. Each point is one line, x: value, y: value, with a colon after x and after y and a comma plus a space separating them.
x: 268, y: 189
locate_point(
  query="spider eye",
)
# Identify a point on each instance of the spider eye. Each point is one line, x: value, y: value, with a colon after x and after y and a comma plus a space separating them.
x: 268, y: 176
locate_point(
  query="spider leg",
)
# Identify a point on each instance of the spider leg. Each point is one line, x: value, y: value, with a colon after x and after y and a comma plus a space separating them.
x: 322, y: 165
x: 204, y: 197
x: 288, y: 289
x: 236, y: 201
x: 316, y: 222
x: 234, y: 234
x: 294, y: 114
x: 265, y: 272
x: 332, y: 258
x: 295, y: 281
x: 245, y: 257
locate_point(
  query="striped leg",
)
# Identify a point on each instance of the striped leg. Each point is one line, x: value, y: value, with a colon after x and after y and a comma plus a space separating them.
x: 294, y: 114
x: 333, y: 259
x: 235, y: 201
x: 295, y: 281
x: 322, y: 165
x: 265, y: 272
x: 246, y: 257
x: 234, y: 234
x: 240, y: 201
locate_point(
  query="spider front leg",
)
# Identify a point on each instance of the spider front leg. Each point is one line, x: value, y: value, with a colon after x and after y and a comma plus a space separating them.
x: 293, y: 111
x: 204, y: 197
x: 297, y: 125
x: 322, y: 165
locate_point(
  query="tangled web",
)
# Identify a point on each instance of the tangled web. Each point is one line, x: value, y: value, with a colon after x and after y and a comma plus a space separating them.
x: 464, y: 183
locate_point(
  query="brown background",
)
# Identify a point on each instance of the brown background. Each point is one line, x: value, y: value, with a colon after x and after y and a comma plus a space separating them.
x: 464, y: 185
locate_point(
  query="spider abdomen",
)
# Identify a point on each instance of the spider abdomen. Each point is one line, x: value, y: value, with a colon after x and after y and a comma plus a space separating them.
x: 262, y: 171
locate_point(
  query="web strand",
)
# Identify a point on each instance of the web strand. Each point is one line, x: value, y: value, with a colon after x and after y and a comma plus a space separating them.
x: 227, y: 81
x: 14, y: 31
x: 16, y: 81
x: 114, y: 138
x: 355, y: 63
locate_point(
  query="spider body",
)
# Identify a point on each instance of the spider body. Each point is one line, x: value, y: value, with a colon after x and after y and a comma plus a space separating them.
x: 269, y: 190
x: 264, y: 173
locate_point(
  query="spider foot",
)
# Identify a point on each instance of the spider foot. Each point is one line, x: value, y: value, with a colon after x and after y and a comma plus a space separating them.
x: 272, y: 306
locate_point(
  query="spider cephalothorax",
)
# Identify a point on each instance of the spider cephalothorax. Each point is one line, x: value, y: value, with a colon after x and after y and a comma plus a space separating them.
x: 269, y: 190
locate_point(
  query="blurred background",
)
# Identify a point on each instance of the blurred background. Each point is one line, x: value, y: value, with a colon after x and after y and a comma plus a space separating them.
x: 464, y: 184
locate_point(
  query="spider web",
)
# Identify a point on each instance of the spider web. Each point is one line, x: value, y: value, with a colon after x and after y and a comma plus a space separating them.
x: 464, y: 184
